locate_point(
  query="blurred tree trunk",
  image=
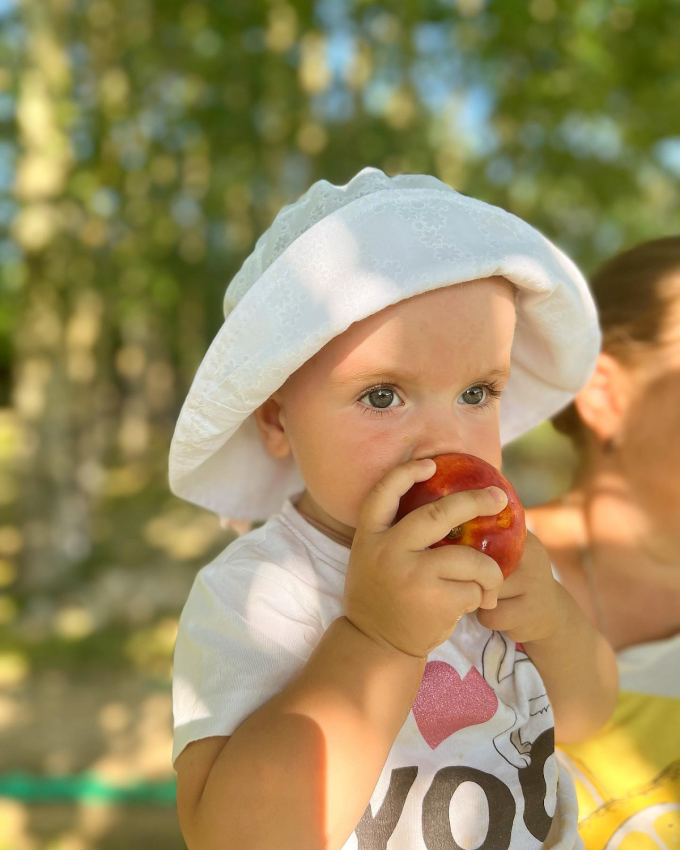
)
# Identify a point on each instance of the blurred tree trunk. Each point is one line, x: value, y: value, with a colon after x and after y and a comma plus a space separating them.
x: 55, y: 367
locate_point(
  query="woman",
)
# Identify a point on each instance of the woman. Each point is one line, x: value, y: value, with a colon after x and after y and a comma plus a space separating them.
x: 614, y: 541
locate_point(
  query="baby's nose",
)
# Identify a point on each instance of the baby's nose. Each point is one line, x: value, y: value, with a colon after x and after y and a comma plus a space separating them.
x: 436, y: 434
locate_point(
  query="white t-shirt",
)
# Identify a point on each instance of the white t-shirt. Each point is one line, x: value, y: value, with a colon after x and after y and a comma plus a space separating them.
x: 473, y: 765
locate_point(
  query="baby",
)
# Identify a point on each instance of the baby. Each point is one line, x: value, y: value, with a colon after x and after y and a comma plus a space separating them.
x: 337, y: 683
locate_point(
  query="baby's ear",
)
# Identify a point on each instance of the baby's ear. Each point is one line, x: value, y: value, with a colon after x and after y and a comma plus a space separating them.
x: 271, y: 425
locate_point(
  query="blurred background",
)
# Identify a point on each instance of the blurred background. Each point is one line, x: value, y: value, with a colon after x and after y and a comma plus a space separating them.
x: 143, y: 148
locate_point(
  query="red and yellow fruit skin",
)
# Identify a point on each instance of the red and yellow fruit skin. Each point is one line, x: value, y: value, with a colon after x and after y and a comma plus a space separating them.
x: 502, y: 536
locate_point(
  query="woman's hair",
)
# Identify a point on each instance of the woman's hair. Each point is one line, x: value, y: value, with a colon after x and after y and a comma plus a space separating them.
x: 633, y: 292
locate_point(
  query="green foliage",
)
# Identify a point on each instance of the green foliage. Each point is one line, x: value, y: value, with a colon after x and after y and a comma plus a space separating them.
x: 189, y: 124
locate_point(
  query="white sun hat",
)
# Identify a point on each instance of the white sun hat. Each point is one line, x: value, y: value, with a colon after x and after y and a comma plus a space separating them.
x: 336, y: 256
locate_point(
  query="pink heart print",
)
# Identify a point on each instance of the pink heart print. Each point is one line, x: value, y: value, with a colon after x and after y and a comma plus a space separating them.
x: 446, y: 703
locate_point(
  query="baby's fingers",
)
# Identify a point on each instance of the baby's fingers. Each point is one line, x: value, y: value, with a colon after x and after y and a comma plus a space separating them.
x: 463, y: 563
x: 432, y: 522
x: 381, y: 503
x: 464, y: 596
x: 507, y: 616
x: 489, y: 599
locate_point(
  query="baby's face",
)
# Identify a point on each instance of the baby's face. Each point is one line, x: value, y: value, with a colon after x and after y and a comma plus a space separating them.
x: 419, y: 379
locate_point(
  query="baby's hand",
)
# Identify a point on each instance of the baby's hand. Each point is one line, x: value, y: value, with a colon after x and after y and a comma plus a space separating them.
x: 529, y: 601
x: 399, y: 592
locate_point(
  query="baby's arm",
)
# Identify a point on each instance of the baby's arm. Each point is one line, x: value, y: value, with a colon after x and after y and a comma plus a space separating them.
x: 576, y: 663
x: 299, y: 772
x: 578, y: 668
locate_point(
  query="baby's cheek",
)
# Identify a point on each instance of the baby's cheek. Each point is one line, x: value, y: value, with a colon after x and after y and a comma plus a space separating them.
x: 374, y: 460
x: 358, y: 464
x: 381, y: 451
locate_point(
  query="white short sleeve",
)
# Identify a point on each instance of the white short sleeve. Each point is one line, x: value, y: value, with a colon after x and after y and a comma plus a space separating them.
x: 245, y: 631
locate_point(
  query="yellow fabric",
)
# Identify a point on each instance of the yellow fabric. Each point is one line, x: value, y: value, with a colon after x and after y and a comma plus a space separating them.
x: 628, y: 776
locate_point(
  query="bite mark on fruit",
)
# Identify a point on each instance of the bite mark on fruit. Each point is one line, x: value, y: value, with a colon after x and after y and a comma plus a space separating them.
x: 504, y: 519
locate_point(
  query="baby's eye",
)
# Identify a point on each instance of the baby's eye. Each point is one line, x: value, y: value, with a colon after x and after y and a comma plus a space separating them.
x: 380, y: 398
x: 475, y: 395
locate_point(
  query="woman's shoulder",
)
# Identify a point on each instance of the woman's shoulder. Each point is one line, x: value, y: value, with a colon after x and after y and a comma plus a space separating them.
x: 559, y: 526
x: 558, y: 523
